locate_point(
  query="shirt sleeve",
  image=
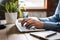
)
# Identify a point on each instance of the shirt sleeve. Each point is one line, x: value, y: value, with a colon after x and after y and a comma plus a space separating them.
x: 49, y: 25
x: 52, y: 26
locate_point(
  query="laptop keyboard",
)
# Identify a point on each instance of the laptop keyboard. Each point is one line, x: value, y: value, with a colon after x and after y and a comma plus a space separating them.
x: 24, y: 29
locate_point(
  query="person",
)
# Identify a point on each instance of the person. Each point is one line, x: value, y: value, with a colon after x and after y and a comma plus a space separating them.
x: 49, y: 23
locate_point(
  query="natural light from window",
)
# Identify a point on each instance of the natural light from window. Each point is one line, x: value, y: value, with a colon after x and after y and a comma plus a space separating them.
x: 32, y: 4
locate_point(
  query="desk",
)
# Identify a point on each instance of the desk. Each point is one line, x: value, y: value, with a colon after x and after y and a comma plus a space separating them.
x: 12, y: 33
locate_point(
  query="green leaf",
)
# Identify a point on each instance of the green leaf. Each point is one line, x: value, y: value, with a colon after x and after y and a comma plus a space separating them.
x: 12, y: 6
x: 7, y: 7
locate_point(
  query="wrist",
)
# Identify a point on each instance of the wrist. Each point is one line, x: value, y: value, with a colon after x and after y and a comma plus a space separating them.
x: 40, y: 26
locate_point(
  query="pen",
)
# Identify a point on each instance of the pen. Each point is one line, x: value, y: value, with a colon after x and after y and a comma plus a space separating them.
x: 51, y: 35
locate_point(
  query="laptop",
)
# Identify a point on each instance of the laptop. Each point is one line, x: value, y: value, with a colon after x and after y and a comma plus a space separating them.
x: 24, y: 29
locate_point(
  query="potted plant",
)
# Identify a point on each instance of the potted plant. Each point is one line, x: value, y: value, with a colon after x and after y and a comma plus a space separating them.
x: 11, y: 10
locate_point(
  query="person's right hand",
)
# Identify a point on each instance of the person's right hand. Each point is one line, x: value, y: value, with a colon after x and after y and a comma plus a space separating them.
x: 32, y: 22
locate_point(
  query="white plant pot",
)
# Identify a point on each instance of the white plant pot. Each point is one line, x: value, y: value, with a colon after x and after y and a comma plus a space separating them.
x: 11, y: 17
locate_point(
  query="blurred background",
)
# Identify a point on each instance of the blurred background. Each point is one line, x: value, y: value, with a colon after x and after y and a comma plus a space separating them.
x: 37, y: 12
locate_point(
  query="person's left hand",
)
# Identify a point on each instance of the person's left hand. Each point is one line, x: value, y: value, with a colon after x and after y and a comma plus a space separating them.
x: 32, y: 22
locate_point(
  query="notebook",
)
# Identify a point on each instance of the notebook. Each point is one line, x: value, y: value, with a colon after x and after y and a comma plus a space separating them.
x: 24, y: 29
x: 44, y: 35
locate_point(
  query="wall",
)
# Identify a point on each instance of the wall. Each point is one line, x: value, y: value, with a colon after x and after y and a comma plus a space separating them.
x: 52, y: 4
x: 0, y: 1
x: 1, y: 13
x: 37, y: 14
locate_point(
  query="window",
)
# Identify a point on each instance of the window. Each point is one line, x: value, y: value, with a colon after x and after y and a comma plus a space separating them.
x: 34, y: 4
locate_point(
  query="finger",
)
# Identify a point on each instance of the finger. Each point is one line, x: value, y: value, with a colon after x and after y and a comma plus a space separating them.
x: 24, y: 20
x: 28, y: 23
x: 29, y: 26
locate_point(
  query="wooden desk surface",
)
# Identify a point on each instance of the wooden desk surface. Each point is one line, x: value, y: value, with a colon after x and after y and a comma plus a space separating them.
x: 12, y: 33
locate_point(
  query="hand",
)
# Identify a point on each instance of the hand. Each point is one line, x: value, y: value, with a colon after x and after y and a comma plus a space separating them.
x: 32, y: 22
